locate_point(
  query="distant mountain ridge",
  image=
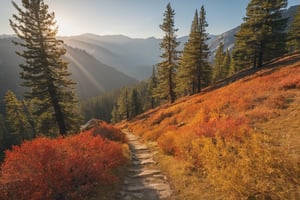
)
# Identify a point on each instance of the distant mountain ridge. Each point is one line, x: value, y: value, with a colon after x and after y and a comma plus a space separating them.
x: 134, y: 57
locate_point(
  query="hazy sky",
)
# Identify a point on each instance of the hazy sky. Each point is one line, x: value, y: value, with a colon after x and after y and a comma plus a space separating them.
x: 134, y: 18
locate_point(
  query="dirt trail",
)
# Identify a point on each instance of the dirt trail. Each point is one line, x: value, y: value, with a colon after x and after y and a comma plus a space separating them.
x: 143, y: 181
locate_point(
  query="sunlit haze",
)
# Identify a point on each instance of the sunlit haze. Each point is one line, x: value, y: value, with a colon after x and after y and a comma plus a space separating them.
x: 134, y: 18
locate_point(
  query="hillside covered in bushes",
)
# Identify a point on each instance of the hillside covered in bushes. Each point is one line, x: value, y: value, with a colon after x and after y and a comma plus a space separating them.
x: 240, y: 141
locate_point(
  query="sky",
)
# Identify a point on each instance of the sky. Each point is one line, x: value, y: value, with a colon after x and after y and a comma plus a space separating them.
x: 134, y: 18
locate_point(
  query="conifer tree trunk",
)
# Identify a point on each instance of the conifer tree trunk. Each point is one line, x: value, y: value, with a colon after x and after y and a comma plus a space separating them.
x: 260, y: 55
x: 171, y: 90
x: 57, y: 110
x: 198, y: 79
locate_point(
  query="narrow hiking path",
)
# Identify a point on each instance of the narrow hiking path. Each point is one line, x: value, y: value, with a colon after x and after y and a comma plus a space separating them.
x: 143, y: 181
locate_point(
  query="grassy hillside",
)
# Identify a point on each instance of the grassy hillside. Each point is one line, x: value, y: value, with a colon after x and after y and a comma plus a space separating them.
x: 238, y: 140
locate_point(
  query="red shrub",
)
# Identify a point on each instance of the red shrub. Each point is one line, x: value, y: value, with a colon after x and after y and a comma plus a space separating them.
x: 226, y: 127
x: 63, y: 168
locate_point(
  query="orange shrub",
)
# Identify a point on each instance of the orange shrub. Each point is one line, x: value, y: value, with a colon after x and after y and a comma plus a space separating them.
x: 63, y: 168
x: 99, y: 127
x: 224, y: 127
x: 166, y: 142
x: 183, y: 143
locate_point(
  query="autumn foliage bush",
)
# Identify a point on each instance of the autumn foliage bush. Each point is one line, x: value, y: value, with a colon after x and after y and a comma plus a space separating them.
x: 105, y: 130
x: 62, y: 168
x: 166, y: 142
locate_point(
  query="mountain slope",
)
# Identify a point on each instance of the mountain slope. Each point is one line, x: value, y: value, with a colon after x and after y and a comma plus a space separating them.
x: 238, y: 140
x: 134, y: 57
x: 92, y: 76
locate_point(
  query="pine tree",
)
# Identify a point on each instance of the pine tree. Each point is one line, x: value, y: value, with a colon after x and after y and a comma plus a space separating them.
x: 124, y: 104
x: 152, y: 88
x: 219, y: 69
x: 190, y: 61
x: 204, y: 69
x: 135, y: 103
x: 115, y: 115
x: 294, y: 33
x: 232, y: 66
x: 261, y: 36
x: 227, y: 63
x: 16, y: 117
x: 194, y: 70
x: 45, y: 72
x: 166, y: 69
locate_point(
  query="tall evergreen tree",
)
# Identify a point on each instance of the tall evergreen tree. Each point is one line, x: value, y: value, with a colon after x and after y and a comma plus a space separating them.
x: 204, y: 69
x: 194, y: 70
x: 219, y: 71
x: 115, y: 115
x: 232, y: 67
x: 152, y: 88
x: 227, y: 63
x: 190, y: 60
x: 261, y: 36
x: 136, y: 107
x: 167, y: 68
x: 16, y: 117
x: 294, y: 33
x: 45, y: 72
x: 123, y: 104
